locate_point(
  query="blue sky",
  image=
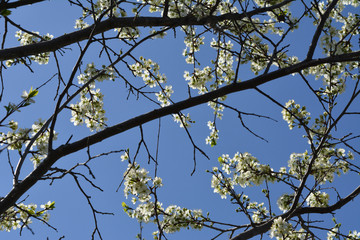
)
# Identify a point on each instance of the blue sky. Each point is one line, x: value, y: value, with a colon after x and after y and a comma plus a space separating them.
x: 72, y: 216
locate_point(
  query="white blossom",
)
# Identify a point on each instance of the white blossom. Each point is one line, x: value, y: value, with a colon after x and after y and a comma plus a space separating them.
x: 280, y: 229
x: 22, y: 214
x: 26, y: 39
x: 183, y: 120
x: 317, y: 199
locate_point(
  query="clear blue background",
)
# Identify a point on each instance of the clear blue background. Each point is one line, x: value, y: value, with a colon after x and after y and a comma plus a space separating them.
x: 72, y: 215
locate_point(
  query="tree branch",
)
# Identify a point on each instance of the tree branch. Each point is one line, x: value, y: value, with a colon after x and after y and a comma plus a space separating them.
x: 323, y: 210
x: 263, y: 228
x: 67, y: 149
x: 320, y: 27
x: 111, y: 23
x: 20, y: 3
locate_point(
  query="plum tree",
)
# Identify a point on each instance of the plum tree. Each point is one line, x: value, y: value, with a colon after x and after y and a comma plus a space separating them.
x: 229, y: 48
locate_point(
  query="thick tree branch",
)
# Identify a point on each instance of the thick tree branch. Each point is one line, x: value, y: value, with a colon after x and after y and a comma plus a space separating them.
x: 16, y: 4
x: 64, y: 150
x: 323, y: 210
x: 263, y: 228
x: 111, y: 23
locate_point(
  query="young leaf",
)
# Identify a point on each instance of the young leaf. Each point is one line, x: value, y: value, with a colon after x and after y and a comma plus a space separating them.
x: 5, y: 12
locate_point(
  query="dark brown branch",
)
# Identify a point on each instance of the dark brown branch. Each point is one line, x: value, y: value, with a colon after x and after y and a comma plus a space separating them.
x: 319, y: 29
x: 323, y: 210
x: 20, y: 3
x: 64, y: 150
x: 166, y: 9
x: 106, y: 25
x: 263, y: 228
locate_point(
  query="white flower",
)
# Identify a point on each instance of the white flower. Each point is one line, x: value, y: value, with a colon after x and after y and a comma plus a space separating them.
x: 184, y: 121
x: 317, y: 199
x: 332, y: 234
x: 136, y: 180
x: 80, y: 24
x: 295, y: 115
x: 280, y: 228
x: 284, y: 202
x: 157, y: 181
x: 124, y: 156
x: 27, y: 39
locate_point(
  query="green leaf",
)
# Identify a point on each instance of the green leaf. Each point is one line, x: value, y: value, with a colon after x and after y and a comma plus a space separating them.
x: 52, y: 205
x: 8, y: 108
x: 125, y: 207
x: 5, y: 12
x: 33, y: 92
x: 11, y: 107
x: 31, y: 211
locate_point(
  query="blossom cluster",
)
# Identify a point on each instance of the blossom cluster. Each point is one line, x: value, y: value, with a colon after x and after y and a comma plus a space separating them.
x: 183, y: 120
x: 148, y: 70
x: 21, y: 215
x: 104, y: 5
x: 318, y: 199
x: 214, y: 134
x: 89, y: 109
x: 136, y: 182
x: 257, y: 48
x: 354, y: 235
x: 223, y: 65
x: 164, y: 96
x: 176, y: 218
x: 19, y: 137
x: 182, y: 8
x: 327, y: 162
x: 128, y: 32
x: 97, y: 9
x: 242, y: 170
x: 281, y: 229
x: 15, y: 139
x: 314, y: 199
x: 41, y: 142
x: 199, y: 78
x: 218, y: 108
x: 333, y: 77
x: 26, y: 38
x: 141, y: 187
x: 91, y: 72
x: 259, y: 211
x: 339, y: 30
x: 337, y: 37
x: 192, y: 43
x: 333, y: 233
x: 224, y: 62
x: 295, y: 115
x: 284, y: 201
x: 81, y: 24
